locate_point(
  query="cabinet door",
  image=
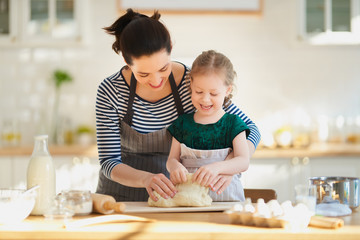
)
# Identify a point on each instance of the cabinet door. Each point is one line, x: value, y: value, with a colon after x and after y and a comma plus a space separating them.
x: 76, y: 173
x: 52, y: 21
x: 275, y: 174
x: 8, y: 20
x: 283, y: 175
x: 19, y: 171
x: 5, y: 172
x: 71, y: 173
x: 45, y: 22
x: 335, y: 166
x: 329, y: 22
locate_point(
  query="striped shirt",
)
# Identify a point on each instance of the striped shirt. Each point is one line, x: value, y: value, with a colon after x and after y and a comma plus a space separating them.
x: 111, y: 106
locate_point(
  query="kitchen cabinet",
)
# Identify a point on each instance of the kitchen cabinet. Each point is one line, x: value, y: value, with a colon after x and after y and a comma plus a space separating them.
x: 337, y: 166
x: 228, y: 6
x: 283, y: 174
x: 329, y: 22
x: 5, y: 176
x: 275, y: 174
x: 42, y: 23
x: 8, y: 20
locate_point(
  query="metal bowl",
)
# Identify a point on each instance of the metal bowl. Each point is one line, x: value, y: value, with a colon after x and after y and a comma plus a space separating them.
x: 15, y: 206
x: 343, y: 189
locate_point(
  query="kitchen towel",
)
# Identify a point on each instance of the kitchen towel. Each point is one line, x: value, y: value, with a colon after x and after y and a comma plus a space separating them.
x: 332, y: 208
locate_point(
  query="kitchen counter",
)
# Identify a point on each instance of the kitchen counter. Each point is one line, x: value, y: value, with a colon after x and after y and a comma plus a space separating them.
x: 195, y: 225
x: 314, y: 150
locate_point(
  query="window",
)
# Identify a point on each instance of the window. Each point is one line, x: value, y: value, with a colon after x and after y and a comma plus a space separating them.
x: 4, y: 17
x: 49, y: 22
x: 330, y: 21
x: 42, y: 22
x: 51, y: 18
x: 8, y: 22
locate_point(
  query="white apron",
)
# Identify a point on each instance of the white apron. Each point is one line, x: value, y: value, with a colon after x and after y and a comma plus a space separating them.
x: 192, y: 159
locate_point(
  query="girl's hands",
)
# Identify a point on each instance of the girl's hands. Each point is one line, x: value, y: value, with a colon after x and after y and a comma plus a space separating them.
x: 178, y: 175
x: 161, y: 184
x: 176, y: 169
x: 206, y: 175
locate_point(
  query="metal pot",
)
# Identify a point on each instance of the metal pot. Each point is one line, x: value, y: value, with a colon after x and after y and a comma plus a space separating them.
x: 343, y: 189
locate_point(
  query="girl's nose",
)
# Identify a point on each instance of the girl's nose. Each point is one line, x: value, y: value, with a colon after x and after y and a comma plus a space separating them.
x: 206, y: 97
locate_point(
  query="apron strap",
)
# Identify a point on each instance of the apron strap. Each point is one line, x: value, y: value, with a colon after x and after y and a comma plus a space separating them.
x: 130, y: 112
x: 175, y: 92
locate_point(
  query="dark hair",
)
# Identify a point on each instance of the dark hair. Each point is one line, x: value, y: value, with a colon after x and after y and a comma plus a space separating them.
x: 138, y: 35
x: 211, y: 61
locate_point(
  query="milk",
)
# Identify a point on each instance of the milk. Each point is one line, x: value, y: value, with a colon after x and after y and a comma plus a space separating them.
x: 41, y: 172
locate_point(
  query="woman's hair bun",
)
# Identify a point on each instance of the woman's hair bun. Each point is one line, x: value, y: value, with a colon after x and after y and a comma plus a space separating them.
x: 118, y: 26
x: 137, y: 34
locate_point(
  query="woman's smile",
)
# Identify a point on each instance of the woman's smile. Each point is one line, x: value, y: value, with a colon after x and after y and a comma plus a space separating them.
x: 157, y: 86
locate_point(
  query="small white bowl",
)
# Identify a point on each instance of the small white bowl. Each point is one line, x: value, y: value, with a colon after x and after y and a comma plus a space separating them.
x: 15, y: 206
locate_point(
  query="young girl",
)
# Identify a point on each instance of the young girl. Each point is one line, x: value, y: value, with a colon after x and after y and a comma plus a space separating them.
x: 202, y: 140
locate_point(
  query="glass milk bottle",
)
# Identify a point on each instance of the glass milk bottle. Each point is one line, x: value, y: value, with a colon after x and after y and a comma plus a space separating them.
x: 41, y: 172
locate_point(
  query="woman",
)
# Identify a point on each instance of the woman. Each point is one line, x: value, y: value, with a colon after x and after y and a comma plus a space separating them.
x: 135, y: 105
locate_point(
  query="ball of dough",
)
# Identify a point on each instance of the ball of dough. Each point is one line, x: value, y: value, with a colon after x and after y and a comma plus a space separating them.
x: 189, y: 195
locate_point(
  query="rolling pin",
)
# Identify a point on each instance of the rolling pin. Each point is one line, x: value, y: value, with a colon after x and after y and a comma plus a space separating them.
x: 326, y: 222
x: 106, y: 204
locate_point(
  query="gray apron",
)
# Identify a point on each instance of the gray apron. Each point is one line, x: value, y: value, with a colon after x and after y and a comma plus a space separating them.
x: 147, y: 152
x: 192, y: 159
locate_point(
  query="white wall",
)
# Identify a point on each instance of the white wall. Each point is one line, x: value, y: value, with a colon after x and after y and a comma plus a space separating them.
x: 277, y: 72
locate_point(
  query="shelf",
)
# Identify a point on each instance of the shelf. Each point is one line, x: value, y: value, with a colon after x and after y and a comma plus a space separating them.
x: 315, y: 150
x: 70, y: 150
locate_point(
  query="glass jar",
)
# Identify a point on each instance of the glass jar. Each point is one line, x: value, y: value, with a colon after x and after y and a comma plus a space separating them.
x: 79, y: 201
x: 10, y: 134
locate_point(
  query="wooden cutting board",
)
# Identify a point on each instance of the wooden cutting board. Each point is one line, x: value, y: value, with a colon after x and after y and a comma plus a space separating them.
x: 142, y: 207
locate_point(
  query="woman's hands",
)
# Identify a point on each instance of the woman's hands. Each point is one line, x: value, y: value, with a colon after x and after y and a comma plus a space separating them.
x: 161, y: 184
x: 129, y: 176
x: 221, y: 183
x: 207, y: 176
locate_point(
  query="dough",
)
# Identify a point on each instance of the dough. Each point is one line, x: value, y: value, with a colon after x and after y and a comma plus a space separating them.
x: 189, y: 195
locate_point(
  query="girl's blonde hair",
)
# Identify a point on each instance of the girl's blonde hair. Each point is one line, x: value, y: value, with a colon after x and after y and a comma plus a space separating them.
x: 214, y: 62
